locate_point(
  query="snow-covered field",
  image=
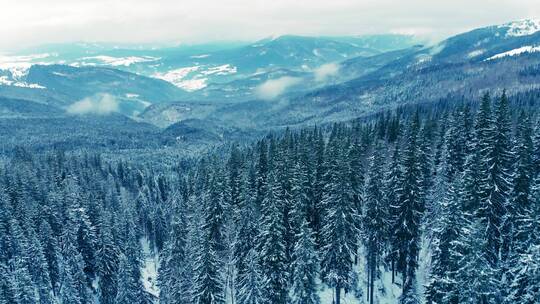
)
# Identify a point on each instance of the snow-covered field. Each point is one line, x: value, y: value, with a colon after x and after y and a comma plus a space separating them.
x: 515, y: 52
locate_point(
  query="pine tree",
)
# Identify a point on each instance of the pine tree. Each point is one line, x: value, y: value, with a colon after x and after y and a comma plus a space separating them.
x: 409, y: 209
x: 305, y: 268
x: 51, y: 251
x: 250, y: 288
x: 317, y: 209
x: 24, y: 288
x: 246, y: 237
x: 129, y: 287
x: 7, y: 294
x: 374, y: 215
x: 524, y: 171
x: 356, y: 172
x: 74, y: 283
x: 107, y: 260
x: 215, y: 211
x: 339, y: 232
x: 536, y: 151
x: 525, y: 268
x: 208, y: 285
x: 272, y: 246
x: 38, y: 268
x: 174, y: 274
x: 443, y: 286
x: 392, y: 186
x: 494, y: 142
x: 475, y: 276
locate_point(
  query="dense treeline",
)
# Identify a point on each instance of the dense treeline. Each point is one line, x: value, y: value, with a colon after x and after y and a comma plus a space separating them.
x: 276, y: 221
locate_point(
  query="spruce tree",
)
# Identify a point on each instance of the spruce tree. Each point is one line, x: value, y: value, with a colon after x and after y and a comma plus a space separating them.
x: 305, y: 268
x: 524, y: 171
x: 208, y: 285
x: 409, y: 209
x: 107, y: 260
x: 272, y: 246
x: 173, y: 276
x: 339, y: 232
x: 250, y: 288
x: 494, y: 143
x: 246, y: 237
x: 374, y: 215
x: 392, y: 186
x: 51, y: 251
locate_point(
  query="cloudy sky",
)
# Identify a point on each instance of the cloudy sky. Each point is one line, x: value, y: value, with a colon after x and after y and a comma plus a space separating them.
x: 30, y: 22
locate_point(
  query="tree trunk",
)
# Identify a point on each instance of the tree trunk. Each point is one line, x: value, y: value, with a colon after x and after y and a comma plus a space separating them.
x: 368, y: 268
x: 338, y: 294
x: 393, y: 270
x: 372, y: 279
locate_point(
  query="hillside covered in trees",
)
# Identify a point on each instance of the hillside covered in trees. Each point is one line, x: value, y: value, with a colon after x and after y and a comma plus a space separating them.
x: 434, y: 203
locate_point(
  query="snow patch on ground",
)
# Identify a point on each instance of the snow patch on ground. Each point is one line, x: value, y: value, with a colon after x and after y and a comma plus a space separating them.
x: 177, y: 76
x: 476, y: 53
x: 17, y: 68
x: 200, y: 56
x: 225, y: 69
x: 195, y: 77
x: 121, y: 61
x: 192, y: 84
x: 522, y: 27
x: 515, y: 52
x: 150, y: 268
x: 60, y: 74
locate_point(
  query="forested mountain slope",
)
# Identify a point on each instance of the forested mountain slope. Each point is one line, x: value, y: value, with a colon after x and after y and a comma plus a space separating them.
x: 432, y: 203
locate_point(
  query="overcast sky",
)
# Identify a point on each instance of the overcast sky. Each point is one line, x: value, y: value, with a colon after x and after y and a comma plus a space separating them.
x: 30, y: 22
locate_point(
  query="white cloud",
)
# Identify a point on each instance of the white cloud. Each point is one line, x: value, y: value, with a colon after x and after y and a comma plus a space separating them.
x: 326, y: 71
x: 272, y: 88
x: 37, y: 21
x: 100, y: 104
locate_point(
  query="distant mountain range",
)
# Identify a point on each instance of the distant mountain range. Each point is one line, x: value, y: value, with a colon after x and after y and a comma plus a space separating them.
x: 63, y: 74
x: 287, y: 80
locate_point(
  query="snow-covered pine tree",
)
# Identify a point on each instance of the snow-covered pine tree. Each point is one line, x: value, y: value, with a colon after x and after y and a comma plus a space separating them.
x: 51, y: 251
x: 525, y: 268
x: 443, y: 284
x: 340, y: 235
x: 208, y: 286
x: 107, y: 260
x: 536, y: 151
x: 246, y: 237
x: 173, y: 276
x: 272, y: 245
x: 523, y: 178
x: 494, y: 143
x: 375, y: 212
x: 250, y: 281
x: 356, y: 175
x: 305, y: 266
x: 129, y: 287
x: 300, y: 196
x: 409, y: 210
x: 74, y: 283
x: 24, y: 289
x: 475, y: 276
x: 7, y: 294
x: 392, y: 186
x: 38, y: 268
x: 317, y: 209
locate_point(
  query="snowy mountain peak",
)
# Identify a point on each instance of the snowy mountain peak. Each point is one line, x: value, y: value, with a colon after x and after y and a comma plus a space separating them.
x: 523, y: 27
